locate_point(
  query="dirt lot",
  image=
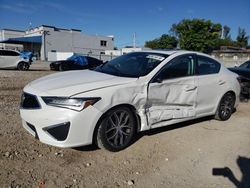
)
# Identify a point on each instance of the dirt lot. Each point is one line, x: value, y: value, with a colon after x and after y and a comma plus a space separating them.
x: 183, y: 155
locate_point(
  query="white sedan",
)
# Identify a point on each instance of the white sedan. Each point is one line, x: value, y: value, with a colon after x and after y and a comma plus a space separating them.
x: 134, y: 92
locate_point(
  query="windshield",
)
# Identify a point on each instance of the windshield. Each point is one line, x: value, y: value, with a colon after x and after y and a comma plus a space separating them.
x: 134, y: 64
x: 72, y: 58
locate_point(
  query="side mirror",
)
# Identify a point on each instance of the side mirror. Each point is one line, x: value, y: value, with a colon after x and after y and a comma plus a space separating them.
x: 158, y: 80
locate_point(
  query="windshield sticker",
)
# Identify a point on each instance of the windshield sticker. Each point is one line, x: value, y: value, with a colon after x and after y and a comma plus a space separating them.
x: 156, y: 57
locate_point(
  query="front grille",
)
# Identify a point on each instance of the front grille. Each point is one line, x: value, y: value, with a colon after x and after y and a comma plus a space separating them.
x: 29, y: 101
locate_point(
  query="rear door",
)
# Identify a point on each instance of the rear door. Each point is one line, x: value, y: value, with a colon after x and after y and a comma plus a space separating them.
x: 210, y: 84
x: 172, y: 92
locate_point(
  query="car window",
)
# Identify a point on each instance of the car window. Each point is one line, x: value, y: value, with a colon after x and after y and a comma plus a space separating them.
x: 93, y: 61
x: 3, y: 53
x: 207, y: 65
x: 8, y: 53
x: 178, y: 67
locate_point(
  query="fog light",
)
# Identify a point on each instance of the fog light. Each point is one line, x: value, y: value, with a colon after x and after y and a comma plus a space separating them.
x: 59, y: 131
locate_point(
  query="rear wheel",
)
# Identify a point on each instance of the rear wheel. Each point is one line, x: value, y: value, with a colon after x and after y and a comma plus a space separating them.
x: 23, y: 66
x: 117, y: 129
x: 226, y: 107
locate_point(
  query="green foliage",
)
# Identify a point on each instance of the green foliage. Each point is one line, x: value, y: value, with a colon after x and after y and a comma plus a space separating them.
x: 242, y: 38
x: 197, y: 34
x: 224, y: 42
x: 164, y: 42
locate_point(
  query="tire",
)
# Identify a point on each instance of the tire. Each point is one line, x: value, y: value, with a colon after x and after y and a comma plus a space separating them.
x: 226, y: 107
x: 116, y: 130
x: 62, y: 67
x: 23, y: 66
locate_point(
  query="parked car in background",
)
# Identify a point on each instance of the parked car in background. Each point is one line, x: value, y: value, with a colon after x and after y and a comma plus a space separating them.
x: 75, y: 62
x: 15, y: 59
x: 131, y: 93
x: 244, y: 72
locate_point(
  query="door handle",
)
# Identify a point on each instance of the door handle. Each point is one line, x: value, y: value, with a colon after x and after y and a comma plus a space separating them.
x: 190, y: 88
x: 221, y: 82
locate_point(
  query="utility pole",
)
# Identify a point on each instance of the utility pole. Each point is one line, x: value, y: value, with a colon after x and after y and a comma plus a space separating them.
x: 134, y: 40
x: 30, y: 26
x: 44, y: 44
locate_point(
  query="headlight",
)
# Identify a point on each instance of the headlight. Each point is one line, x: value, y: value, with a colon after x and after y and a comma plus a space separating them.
x: 77, y: 104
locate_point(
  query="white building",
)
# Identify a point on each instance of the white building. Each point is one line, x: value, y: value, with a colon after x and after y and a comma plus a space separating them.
x: 44, y: 39
x: 122, y: 51
x: 11, y: 33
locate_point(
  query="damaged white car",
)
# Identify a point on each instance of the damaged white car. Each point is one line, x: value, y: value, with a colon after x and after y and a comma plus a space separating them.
x: 134, y: 92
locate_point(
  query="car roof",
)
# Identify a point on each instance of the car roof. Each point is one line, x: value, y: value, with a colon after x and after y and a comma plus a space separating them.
x: 167, y: 52
x: 179, y: 52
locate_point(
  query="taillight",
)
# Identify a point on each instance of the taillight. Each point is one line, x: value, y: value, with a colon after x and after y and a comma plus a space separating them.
x: 243, y: 81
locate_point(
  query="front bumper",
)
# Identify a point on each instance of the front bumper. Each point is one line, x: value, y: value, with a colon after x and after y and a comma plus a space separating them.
x: 48, y: 124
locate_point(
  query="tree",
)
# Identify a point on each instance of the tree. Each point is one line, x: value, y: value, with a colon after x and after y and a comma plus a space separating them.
x: 242, y: 38
x: 197, y: 34
x: 164, y: 42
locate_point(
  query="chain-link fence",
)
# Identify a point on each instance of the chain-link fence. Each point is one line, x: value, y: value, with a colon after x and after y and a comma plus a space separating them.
x: 102, y: 57
x: 233, y: 61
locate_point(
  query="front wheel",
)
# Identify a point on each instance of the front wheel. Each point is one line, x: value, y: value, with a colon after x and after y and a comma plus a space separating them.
x: 116, y: 131
x: 62, y: 67
x: 226, y: 107
x: 23, y: 66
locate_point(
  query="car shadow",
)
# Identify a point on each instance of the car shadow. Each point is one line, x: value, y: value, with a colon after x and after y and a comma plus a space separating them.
x: 92, y: 147
x: 35, y: 70
x: 32, y: 70
x: 244, y: 166
x: 155, y: 131
x: 152, y: 132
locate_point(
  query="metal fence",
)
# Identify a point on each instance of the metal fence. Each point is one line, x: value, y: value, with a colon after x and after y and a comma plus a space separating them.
x: 102, y: 57
x: 231, y: 62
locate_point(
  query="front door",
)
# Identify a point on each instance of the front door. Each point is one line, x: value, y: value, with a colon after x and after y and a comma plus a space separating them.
x: 172, y: 92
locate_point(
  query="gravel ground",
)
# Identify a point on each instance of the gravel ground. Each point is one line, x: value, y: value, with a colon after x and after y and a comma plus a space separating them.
x: 201, y: 153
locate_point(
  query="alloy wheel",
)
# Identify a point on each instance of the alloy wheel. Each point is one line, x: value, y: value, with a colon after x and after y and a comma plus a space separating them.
x: 118, y: 130
x: 226, y: 107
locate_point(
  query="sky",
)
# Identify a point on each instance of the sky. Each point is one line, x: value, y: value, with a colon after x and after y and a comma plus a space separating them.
x: 149, y: 19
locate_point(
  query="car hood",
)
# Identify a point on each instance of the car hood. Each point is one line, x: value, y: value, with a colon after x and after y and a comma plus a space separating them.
x: 241, y: 71
x: 74, y: 82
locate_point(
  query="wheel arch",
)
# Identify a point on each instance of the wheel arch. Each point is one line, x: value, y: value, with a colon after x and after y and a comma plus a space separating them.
x: 219, y: 101
x: 22, y: 61
x: 133, y: 110
x: 229, y: 91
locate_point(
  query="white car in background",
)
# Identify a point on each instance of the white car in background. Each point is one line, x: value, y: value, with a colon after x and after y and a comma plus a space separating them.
x: 134, y: 92
x: 14, y: 59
